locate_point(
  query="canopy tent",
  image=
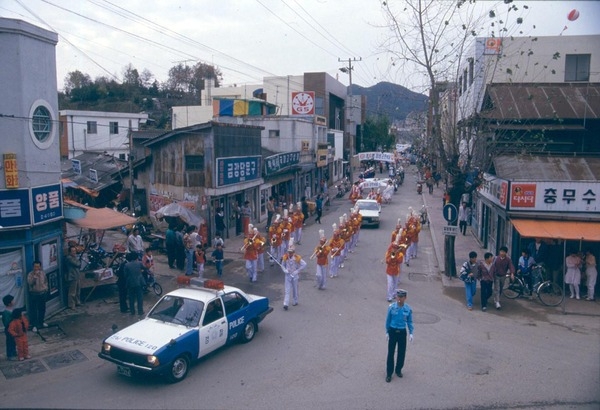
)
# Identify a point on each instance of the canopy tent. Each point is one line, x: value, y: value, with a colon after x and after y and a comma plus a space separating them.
x: 100, y: 218
x: 176, y: 210
x: 570, y: 230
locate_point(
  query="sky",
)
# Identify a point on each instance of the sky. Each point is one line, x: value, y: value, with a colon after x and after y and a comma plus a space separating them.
x: 250, y: 39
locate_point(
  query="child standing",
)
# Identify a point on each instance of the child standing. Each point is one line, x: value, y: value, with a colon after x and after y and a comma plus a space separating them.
x: 18, y: 329
x: 11, y: 348
x: 200, y: 259
x: 218, y: 257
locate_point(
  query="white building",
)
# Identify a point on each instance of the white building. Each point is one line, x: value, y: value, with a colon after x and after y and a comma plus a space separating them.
x: 96, y: 131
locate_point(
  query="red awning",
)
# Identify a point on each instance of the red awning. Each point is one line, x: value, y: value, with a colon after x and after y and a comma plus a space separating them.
x: 100, y: 218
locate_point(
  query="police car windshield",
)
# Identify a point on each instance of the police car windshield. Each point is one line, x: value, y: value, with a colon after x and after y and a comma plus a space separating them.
x: 175, y: 309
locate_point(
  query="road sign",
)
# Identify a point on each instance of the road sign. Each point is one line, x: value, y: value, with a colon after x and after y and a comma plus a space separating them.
x: 450, y: 213
x: 450, y: 230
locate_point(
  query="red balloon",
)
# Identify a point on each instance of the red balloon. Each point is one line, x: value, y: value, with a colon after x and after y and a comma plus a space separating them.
x: 573, y: 15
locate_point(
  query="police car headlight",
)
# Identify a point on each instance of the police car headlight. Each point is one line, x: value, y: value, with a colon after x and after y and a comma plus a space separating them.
x: 106, y: 348
x: 153, y: 361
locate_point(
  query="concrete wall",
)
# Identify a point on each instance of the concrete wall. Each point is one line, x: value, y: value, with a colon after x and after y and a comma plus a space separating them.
x: 28, y: 78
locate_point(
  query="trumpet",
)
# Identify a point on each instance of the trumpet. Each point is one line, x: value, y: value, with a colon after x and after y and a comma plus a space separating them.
x: 335, y: 253
x: 248, y: 242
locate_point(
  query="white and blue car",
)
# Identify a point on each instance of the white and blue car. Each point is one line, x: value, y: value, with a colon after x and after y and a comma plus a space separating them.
x: 183, y: 326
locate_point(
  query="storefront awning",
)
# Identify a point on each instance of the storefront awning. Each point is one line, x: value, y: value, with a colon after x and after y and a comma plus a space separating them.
x: 100, y: 218
x: 570, y: 230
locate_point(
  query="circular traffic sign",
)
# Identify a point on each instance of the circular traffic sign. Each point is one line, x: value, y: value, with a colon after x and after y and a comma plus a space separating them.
x: 450, y: 212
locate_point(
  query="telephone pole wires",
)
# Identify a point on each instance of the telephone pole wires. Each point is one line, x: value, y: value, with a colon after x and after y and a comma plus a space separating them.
x: 348, y: 70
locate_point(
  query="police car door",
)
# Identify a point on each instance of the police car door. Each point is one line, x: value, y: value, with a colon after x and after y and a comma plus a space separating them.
x: 213, y: 331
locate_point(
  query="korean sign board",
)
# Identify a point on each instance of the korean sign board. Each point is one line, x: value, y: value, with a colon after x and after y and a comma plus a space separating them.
x: 276, y: 163
x: 21, y: 207
x: 495, y: 189
x: 233, y: 170
x: 555, y: 196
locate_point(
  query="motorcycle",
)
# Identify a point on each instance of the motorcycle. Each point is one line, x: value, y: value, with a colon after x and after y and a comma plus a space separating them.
x: 340, y: 191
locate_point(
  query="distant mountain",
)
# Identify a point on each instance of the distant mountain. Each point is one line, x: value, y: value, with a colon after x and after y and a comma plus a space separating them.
x: 391, y: 99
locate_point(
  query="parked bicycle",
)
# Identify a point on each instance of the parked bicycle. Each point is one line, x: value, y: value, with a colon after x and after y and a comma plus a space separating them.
x: 151, y: 283
x: 548, y: 292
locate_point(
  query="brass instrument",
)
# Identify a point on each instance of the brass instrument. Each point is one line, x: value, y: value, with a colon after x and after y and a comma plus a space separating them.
x: 318, y: 249
x: 248, y: 242
x: 273, y: 240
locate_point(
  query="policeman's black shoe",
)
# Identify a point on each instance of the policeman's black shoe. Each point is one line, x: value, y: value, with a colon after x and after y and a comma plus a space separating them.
x: 285, y: 307
x: 399, y: 374
x: 388, y: 379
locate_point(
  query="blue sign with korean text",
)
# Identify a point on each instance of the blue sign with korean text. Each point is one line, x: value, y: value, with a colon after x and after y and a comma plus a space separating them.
x: 14, y: 208
x: 234, y: 170
x: 276, y: 163
x: 46, y: 203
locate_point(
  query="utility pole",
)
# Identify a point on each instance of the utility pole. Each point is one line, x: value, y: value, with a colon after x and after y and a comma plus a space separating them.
x: 130, y: 163
x: 348, y: 70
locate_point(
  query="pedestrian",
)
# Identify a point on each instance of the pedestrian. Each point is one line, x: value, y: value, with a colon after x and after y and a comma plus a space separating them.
x: 399, y: 317
x: 218, y: 240
x: 573, y: 275
x: 188, y: 245
x: 179, y: 248
x: 445, y: 198
x: 538, y: 250
x: 171, y: 245
x: 200, y: 257
x: 463, y: 215
x: 322, y: 253
x: 393, y: 260
x: 18, y: 329
x: 319, y: 208
x: 486, y: 280
x: 304, y: 208
x: 502, y: 266
x: 591, y: 273
x: 38, y: 290
x: 73, y: 278
x: 11, y: 347
x: 270, y: 212
x: 135, y: 244
x: 122, y: 287
x: 217, y: 255
x: 220, y: 220
x: 524, y: 266
x: 292, y: 264
x: 468, y: 272
x: 135, y: 284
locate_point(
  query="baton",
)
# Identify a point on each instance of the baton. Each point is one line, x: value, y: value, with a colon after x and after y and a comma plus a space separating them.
x: 275, y: 259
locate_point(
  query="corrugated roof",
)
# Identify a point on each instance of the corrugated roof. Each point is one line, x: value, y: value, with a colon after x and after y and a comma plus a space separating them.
x: 106, y: 167
x: 564, y: 101
x: 547, y: 168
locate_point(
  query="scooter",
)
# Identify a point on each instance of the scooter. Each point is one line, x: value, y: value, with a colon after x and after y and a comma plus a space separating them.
x: 419, y: 188
x: 424, y: 216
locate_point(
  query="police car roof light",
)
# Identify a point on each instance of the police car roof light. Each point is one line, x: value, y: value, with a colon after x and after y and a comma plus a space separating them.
x: 214, y: 284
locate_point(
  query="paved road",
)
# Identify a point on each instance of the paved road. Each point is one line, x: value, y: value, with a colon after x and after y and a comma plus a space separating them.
x: 329, y: 351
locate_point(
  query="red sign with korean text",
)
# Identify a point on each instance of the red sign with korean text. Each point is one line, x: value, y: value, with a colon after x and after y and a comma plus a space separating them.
x: 522, y: 195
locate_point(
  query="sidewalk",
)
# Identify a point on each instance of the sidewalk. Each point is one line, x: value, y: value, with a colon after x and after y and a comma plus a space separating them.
x: 467, y: 243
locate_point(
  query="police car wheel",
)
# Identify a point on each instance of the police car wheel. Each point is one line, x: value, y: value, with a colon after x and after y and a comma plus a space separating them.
x: 249, y: 331
x: 179, y: 369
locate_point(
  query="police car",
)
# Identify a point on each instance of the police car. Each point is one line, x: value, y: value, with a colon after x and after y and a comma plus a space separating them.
x: 183, y: 326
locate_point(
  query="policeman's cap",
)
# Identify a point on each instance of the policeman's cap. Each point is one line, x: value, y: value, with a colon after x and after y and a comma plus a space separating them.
x: 401, y: 293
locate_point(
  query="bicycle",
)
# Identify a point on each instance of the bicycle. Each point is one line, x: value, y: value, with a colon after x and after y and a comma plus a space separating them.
x: 548, y: 292
x: 151, y: 283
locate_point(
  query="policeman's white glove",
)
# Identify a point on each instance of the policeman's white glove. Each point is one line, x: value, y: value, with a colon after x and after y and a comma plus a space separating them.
x: 286, y: 271
x: 410, y: 338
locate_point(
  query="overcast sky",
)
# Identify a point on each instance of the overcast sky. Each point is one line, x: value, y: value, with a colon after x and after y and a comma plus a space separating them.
x: 247, y: 39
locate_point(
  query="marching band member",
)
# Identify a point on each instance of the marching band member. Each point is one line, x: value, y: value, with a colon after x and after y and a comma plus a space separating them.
x: 275, y: 233
x: 298, y: 221
x: 260, y: 249
x: 343, y: 235
x: 286, y: 233
x: 356, y: 221
x: 346, y: 236
x: 250, y: 253
x: 378, y: 197
x: 322, y: 253
x: 336, y: 244
x: 393, y: 261
x: 292, y: 265
x: 398, y: 230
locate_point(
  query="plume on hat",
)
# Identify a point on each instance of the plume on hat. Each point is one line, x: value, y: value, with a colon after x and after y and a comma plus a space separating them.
x: 291, y: 246
x: 285, y: 214
x: 277, y: 218
x: 335, y: 228
x: 321, y: 234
